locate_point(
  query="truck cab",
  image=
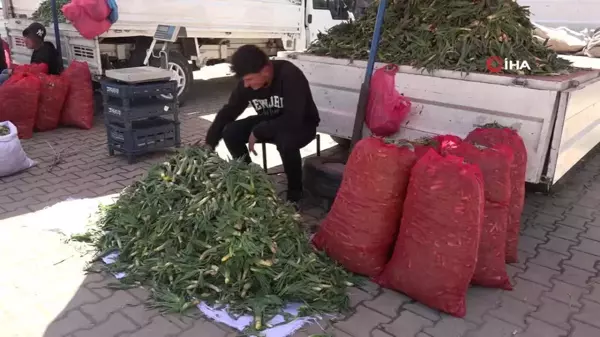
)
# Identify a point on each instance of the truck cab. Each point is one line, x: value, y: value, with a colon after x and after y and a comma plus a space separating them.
x: 214, y: 29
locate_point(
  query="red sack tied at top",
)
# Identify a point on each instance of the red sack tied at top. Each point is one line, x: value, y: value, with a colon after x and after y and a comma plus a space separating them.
x: 86, y: 25
x: 360, y: 229
x: 19, y: 102
x: 436, y: 251
x: 495, y: 164
x: 53, y: 93
x: 34, y: 68
x: 96, y: 9
x: 386, y: 108
x: 437, y: 143
x: 78, y: 110
x: 491, y: 135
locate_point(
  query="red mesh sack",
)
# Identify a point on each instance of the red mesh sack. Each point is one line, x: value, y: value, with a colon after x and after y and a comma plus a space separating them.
x: 95, y: 9
x: 72, y: 11
x: 19, y: 102
x: 437, y: 143
x: 86, y: 25
x: 436, y: 250
x: 386, y: 108
x: 78, y: 110
x: 34, y: 68
x: 492, y: 135
x: 495, y: 164
x: 360, y: 229
x: 53, y: 93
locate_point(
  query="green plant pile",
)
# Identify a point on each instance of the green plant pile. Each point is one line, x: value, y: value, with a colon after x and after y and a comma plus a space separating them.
x: 199, y: 228
x: 444, y: 34
x: 44, y: 12
x: 4, y: 130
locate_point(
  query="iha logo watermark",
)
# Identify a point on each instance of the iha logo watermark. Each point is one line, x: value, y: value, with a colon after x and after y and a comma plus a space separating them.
x: 496, y: 65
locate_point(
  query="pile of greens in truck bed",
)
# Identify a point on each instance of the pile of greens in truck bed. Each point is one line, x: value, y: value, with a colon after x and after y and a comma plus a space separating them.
x: 201, y: 228
x: 444, y: 34
x: 44, y: 12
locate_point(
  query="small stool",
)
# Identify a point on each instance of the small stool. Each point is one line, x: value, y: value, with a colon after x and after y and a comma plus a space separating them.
x: 264, y: 151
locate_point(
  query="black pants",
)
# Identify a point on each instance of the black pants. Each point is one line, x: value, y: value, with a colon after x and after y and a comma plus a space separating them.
x: 289, y: 143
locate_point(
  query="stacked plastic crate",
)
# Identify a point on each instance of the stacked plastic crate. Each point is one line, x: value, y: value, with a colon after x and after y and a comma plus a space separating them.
x: 140, y: 118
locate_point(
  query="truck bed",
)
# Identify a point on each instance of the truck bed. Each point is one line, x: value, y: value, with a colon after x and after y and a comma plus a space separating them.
x: 558, y: 117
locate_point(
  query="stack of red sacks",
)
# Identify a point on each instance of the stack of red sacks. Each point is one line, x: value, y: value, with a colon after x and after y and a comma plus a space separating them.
x: 34, y: 100
x: 19, y: 100
x: 430, y: 218
x: 89, y: 17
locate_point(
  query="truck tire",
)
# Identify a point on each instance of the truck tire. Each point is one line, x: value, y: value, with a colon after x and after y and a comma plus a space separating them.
x: 323, y: 177
x: 184, y: 74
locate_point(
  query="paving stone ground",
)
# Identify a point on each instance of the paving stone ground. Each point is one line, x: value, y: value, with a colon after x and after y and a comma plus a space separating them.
x: 44, y: 292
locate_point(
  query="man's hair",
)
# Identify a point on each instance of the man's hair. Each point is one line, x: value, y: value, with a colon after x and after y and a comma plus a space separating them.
x: 248, y: 59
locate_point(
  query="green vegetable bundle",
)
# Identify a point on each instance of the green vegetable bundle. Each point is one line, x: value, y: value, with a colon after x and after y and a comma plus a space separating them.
x: 44, y: 12
x: 444, y: 34
x: 4, y: 130
x: 201, y: 228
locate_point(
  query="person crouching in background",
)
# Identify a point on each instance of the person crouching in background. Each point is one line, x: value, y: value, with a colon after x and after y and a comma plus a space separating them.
x: 43, y: 51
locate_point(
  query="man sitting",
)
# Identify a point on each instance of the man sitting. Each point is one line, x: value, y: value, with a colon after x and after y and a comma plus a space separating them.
x: 287, y: 115
x: 43, y: 51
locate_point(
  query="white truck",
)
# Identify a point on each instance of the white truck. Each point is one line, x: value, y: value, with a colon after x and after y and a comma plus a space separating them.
x: 213, y: 30
x: 558, y: 117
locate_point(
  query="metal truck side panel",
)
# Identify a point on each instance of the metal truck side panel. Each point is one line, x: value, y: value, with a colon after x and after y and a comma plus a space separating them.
x: 580, y: 131
x: 440, y: 105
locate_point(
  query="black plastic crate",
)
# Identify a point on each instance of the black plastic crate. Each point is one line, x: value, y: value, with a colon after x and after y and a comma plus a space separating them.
x: 143, y: 137
x: 139, y: 90
x: 139, y: 108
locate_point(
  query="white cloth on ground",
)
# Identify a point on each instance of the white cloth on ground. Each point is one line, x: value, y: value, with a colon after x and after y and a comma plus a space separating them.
x: 278, y: 325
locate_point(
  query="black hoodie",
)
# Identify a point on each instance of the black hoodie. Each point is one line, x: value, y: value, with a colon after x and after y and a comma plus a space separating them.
x: 287, y: 104
x: 48, y: 54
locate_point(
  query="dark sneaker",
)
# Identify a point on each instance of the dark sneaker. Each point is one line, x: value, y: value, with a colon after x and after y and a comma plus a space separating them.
x: 294, y: 196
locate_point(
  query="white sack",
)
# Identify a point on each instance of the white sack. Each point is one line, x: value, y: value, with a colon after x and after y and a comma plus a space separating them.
x: 561, y: 39
x: 12, y: 157
x: 593, y: 47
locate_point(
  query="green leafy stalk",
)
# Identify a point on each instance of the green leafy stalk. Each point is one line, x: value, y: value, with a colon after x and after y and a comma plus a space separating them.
x: 44, y: 12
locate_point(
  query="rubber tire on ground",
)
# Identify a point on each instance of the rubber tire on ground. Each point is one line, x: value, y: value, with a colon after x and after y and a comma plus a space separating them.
x: 323, y: 177
x: 177, y: 58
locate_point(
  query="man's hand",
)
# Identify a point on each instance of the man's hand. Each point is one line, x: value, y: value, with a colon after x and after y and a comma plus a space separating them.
x: 251, y: 143
x: 201, y: 144
x: 208, y: 147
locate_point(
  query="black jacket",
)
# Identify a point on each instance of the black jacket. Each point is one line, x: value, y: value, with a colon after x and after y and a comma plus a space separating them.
x: 48, y: 54
x: 287, y: 103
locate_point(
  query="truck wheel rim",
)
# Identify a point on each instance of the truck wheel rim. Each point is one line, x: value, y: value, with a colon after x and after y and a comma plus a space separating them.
x: 179, y: 77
